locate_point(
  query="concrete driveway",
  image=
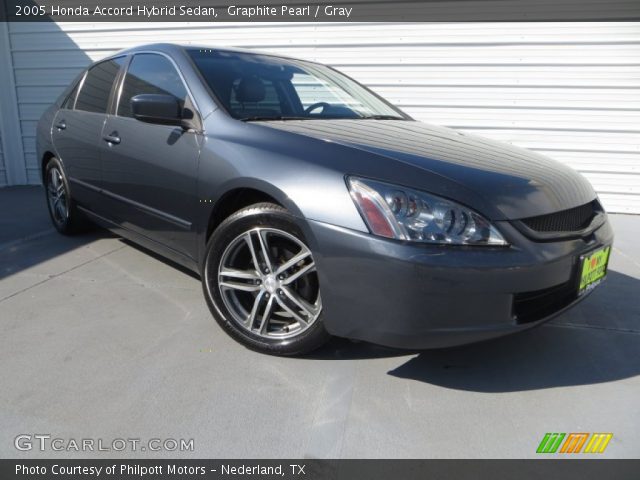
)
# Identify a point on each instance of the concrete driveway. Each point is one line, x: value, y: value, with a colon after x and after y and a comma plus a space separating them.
x: 99, y: 339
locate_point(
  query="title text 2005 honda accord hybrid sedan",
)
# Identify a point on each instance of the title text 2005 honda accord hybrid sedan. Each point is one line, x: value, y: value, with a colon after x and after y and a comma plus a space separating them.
x: 312, y: 207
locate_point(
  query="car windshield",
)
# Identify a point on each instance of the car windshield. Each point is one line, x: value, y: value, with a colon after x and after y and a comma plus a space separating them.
x: 254, y: 87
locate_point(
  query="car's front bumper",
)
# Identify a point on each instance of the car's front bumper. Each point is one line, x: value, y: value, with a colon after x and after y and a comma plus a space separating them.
x: 421, y: 296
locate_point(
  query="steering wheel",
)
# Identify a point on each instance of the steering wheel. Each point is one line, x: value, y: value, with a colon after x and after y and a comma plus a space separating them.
x: 315, y: 106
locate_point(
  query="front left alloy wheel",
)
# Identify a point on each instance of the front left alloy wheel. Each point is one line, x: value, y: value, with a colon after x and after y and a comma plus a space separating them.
x: 261, y: 283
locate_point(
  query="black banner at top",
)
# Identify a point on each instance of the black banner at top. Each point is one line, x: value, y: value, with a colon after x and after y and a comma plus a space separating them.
x: 319, y: 11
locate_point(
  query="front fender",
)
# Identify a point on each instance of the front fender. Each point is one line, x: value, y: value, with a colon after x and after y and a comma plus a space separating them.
x: 287, y: 200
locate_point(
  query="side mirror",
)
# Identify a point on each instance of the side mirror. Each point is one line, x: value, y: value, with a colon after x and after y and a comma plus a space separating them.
x: 160, y: 109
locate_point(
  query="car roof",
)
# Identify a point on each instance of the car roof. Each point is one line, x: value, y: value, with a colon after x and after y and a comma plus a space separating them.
x: 173, y: 48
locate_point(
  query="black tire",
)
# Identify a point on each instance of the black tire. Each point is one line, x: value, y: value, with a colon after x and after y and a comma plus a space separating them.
x: 64, y: 214
x: 255, y: 223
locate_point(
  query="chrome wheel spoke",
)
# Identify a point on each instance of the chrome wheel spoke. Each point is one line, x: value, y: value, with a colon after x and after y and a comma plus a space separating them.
x: 251, y: 318
x: 265, y: 249
x: 303, y: 255
x: 308, y: 309
x: 244, y: 287
x: 310, y: 267
x: 244, y: 280
x: 290, y: 311
x: 59, y: 208
x: 241, y: 274
x: 55, y: 181
x: 254, y: 257
x: 266, y: 316
x: 57, y: 195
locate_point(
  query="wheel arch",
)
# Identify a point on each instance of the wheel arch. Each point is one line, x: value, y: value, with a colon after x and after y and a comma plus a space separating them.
x: 46, y: 156
x: 234, y: 200
x: 239, y: 194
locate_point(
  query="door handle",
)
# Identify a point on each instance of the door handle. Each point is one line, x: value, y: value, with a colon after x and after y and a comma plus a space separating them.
x: 113, y: 138
x: 61, y: 125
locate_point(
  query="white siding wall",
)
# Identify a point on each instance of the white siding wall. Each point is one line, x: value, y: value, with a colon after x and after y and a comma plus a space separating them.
x: 568, y: 90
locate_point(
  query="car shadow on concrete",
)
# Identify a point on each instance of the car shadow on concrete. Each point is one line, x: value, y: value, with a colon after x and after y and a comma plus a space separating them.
x: 598, y: 341
x: 344, y: 349
x: 27, y: 236
x: 160, y: 258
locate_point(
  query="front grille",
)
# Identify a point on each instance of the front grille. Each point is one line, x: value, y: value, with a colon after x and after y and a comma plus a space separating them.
x: 571, y: 220
x: 536, y: 305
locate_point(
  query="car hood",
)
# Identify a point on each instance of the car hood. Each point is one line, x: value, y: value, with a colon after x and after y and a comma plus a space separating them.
x: 518, y: 182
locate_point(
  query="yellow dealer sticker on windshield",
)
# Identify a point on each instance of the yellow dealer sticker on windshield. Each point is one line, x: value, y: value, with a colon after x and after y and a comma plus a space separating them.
x: 594, y: 269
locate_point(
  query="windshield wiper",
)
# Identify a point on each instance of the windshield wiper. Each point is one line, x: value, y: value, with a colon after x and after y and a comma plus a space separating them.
x: 258, y: 118
x: 381, y: 117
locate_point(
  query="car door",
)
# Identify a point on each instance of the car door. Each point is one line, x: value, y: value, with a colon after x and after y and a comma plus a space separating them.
x: 77, y: 130
x: 149, y: 170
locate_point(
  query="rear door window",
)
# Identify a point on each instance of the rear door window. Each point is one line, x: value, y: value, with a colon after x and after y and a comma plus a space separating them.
x: 96, y: 89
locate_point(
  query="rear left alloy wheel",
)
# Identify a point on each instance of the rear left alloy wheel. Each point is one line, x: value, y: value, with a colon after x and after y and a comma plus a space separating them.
x: 261, y: 283
x: 62, y: 209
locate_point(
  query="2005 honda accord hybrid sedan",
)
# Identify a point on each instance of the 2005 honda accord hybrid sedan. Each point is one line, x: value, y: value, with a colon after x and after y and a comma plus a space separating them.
x: 312, y: 207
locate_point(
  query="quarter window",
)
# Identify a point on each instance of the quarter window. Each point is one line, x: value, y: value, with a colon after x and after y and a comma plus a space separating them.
x: 150, y: 73
x: 94, y: 95
x: 71, y: 98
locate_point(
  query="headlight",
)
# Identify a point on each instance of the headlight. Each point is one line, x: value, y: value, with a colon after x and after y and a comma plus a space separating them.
x: 405, y: 214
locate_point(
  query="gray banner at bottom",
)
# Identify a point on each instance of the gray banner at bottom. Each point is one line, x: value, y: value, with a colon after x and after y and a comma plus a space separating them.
x: 320, y: 469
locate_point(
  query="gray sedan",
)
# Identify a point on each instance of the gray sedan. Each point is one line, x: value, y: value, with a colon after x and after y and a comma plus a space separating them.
x: 312, y: 207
